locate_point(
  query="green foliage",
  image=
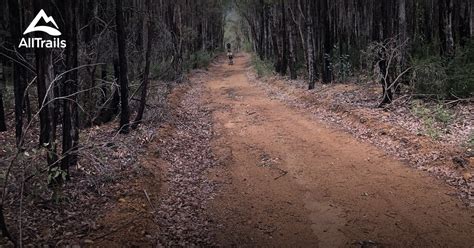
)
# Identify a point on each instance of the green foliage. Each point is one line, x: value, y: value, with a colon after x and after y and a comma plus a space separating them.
x: 340, y: 64
x: 445, y: 78
x: 56, y: 175
x: 461, y: 73
x: 429, y: 77
x: 434, y: 118
x: 262, y: 68
x: 247, y: 46
x: 199, y: 59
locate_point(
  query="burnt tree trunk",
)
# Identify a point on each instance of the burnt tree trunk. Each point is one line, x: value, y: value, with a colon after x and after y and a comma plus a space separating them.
x: 3, y: 83
x: 45, y: 89
x: 292, y: 43
x: 43, y: 65
x: 69, y: 89
x: 284, y: 40
x: 446, y: 28
x: 327, y: 74
x: 18, y: 71
x: 123, y: 68
x: 146, y: 73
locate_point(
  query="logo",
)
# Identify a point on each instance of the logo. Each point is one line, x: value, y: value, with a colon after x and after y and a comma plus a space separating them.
x: 40, y: 42
x: 48, y: 19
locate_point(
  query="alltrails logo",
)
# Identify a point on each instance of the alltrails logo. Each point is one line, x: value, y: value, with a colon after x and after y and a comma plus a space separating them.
x: 40, y: 42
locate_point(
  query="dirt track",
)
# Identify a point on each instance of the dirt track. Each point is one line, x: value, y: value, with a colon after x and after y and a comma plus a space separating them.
x: 291, y: 181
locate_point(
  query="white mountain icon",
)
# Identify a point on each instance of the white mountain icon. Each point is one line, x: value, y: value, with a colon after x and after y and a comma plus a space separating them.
x: 48, y: 19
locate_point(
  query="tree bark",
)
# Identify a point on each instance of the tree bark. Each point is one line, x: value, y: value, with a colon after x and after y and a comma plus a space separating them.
x: 70, y: 88
x: 18, y: 71
x: 310, y: 47
x: 123, y: 68
x: 143, y: 97
x: 292, y: 41
x: 3, y: 83
x: 446, y: 28
x: 327, y: 74
x: 284, y: 40
x: 3, y: 124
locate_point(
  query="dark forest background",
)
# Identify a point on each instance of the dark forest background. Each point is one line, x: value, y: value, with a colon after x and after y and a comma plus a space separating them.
x: 117, y: 48
x: 424, y: 46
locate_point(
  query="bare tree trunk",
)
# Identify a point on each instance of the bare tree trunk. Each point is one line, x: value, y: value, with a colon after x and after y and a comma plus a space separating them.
x: 142, y: 106
x: 43, y: 65
x: 402, y: 39
x: 310, y: 47
x: 446, y: 28
x: 260, y: 43
x: 327, y: 74
x: 43, y: 59
x: 471, y: 18
x: 292, y: 41
x: 44, y: 80
x: 3, y: 125
x: 3, y: 83
x: 18, y: 71
x: 123, y: 68
x: 103, y: 76
x: 70, y: 88
x: 284, y: 40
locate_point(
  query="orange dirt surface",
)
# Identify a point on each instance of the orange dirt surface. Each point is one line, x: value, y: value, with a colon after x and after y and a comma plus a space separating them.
x: 289, y: 180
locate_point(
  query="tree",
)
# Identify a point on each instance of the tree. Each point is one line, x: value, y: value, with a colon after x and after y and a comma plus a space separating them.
x: 310, y: 45
x: 446, y: 28
x: 18, y: 71
x: 3, y: 125
x: 70, y: 88
x: 327, y: 73
x: 146, y: 73
x: 123, y: 68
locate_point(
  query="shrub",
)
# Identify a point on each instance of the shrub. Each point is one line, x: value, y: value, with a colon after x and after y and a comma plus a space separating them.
x: 429, y: 77
x: 262, y: 67
x: 445, y: 78
x: 434, y: 118
x: 199, y: 59
x: 461, y: 73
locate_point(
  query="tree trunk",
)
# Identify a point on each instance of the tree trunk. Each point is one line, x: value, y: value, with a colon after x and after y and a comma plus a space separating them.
x: 3, y: 125
x: 70, y: 88
x: 402, y: 40
x: 43, y: 61
x: 43, y: 65
x: 292, y: 41
x: 310, y: 47
x: 284, y: 40
x: 471, y: 18
x: 327, y: 74
x: 143, y: 97
x: 446, y: 28
x: 3, y: 83
x: 18, y: 71
x: 123, y: 68
x: 260, y: 43
x: 276, y: 48
x: 103, y: 87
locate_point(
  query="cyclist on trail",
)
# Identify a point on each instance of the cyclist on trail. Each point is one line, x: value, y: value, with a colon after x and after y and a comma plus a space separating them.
x: 229, y: 54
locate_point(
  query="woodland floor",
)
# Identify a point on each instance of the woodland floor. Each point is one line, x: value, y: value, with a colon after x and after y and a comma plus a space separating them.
x: 240, y: 161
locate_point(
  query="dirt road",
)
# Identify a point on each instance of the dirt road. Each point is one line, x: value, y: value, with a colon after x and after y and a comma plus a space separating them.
x: 291, y: 181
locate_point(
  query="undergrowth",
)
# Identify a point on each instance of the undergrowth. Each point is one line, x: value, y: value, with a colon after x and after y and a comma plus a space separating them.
x: 262, y: 68
x: 435, y: 119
